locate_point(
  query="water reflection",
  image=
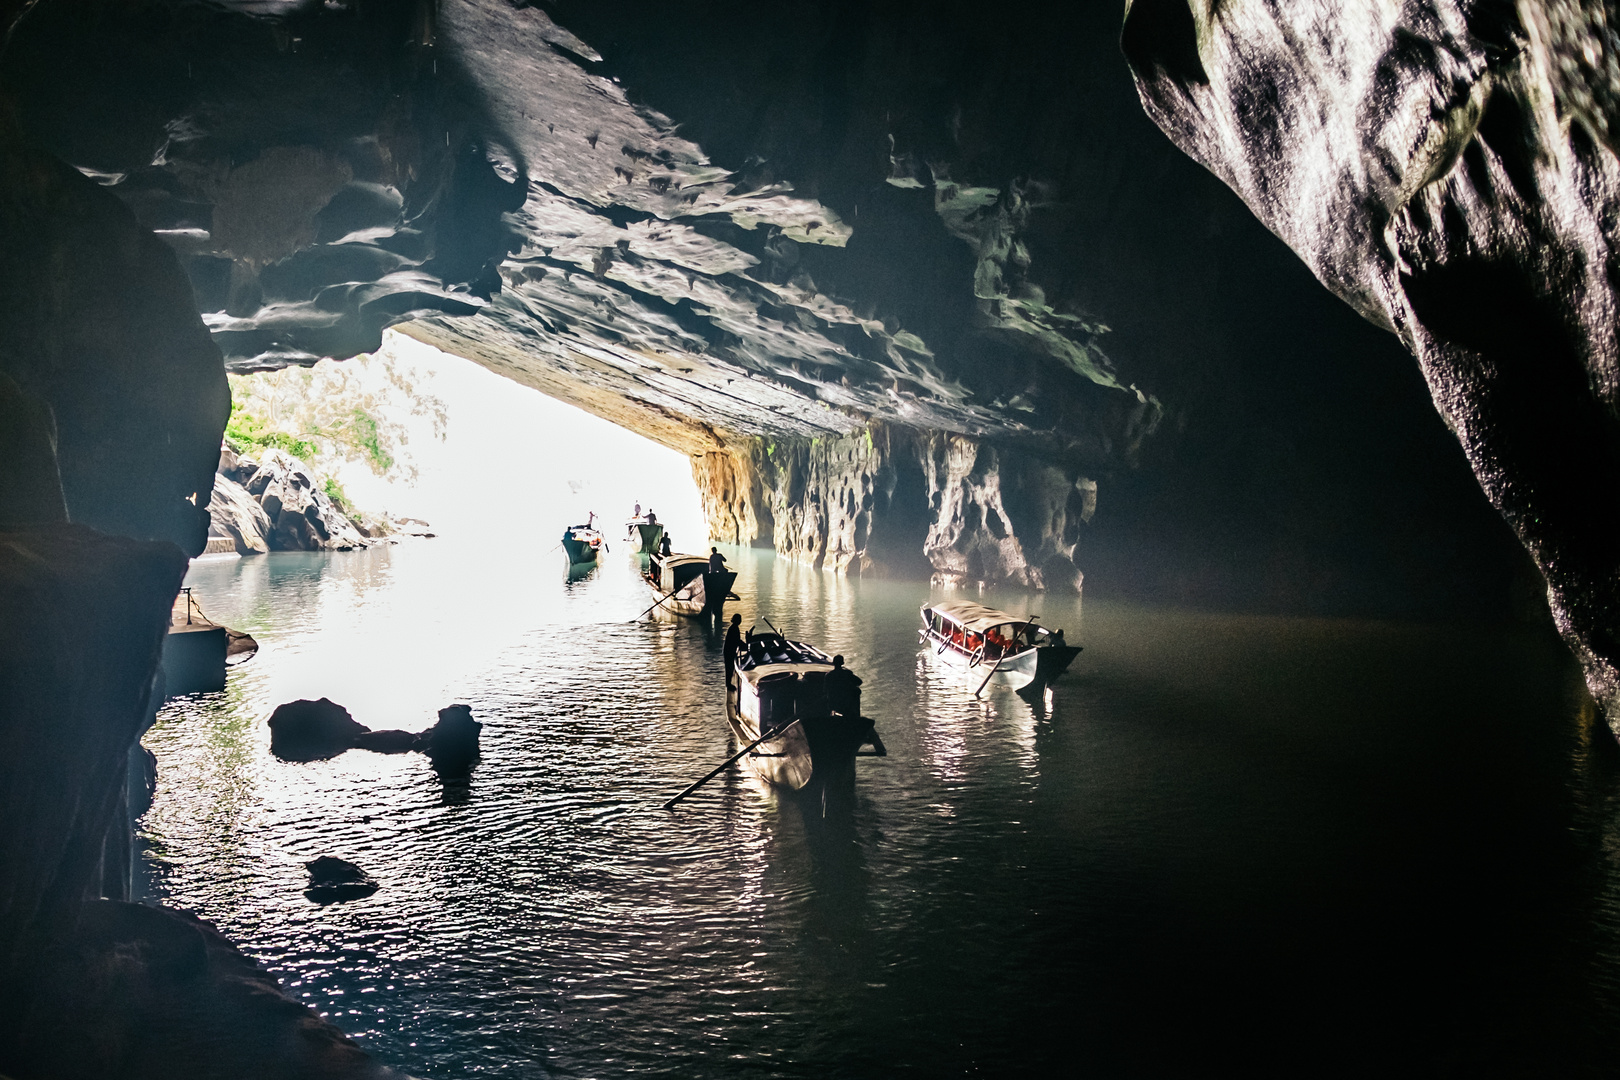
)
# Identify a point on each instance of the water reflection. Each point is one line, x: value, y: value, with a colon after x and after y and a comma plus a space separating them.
x: 1216, y: 843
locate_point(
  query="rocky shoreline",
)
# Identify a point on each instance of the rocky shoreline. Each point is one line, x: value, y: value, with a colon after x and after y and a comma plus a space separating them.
x: 276, y: 502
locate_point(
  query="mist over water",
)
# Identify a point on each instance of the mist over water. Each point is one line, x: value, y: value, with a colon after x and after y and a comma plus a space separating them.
x: 1286, y: 846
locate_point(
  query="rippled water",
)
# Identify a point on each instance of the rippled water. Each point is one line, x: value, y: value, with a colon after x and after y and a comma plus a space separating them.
x: 1279, y: 846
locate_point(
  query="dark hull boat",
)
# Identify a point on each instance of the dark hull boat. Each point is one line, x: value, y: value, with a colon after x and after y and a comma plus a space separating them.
x: 644, y: 535
x: 781, y: 687
x: 582, y: 544
x: 993, y: 647
x: 688, y: 586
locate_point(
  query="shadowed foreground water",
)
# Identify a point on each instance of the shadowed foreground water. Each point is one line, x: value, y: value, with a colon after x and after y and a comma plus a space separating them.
x: 1278, y: 846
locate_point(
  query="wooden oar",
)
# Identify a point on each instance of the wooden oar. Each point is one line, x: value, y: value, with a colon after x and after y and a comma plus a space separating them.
x: 993, y: 669
x: 730, y: 761
x: 655, y: 603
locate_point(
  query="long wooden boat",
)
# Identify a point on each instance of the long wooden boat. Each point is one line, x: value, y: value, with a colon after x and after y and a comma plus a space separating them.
x: 781, y: 686
x: 582, y: 544
x: 997, y: 647
x: 687, y: 584
x: 644, y: 534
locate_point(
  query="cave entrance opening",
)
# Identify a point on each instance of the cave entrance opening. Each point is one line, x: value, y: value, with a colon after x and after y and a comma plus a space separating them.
x: 513, y: 467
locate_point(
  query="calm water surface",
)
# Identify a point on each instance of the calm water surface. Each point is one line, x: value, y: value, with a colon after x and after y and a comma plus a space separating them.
x: 1276, y: 846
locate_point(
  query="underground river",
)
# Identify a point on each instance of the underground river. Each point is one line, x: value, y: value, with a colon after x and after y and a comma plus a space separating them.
x: 1284, y: 846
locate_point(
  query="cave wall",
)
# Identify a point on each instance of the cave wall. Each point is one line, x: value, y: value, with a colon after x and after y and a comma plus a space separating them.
x: 1449, y: 170
x: 891, y: 501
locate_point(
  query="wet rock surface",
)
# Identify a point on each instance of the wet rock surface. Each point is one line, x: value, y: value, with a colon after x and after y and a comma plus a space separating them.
x: 452, y: 743
x: 144, y: 992
x: 1450, y: 170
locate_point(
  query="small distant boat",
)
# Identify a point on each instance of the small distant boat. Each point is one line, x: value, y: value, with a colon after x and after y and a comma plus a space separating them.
x: 999, y: 648
x: 582, y: 544
x: 645, y: 533
x: 687, y: 584
x: 781, y: 686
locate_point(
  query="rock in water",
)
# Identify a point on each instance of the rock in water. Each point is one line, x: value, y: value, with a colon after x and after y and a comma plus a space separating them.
x: 332, y: 881
x: 452, y: 743
x: 313, y: 730
x: 388, y: 742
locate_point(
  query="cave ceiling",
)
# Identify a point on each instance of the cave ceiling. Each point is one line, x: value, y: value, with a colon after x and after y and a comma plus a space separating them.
x: 472, y: 171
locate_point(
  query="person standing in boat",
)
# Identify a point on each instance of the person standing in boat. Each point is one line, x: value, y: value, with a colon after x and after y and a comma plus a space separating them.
x: 663, y: 545
x: 717, y: 561
x: 733, y: 643
x: 652, y: 518
x: 843, y: 689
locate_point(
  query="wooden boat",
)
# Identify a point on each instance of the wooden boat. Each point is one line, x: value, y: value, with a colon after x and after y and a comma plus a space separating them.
x: 781, y: 686
x: 644, y: 534
x: 687, y: 584
x: 999, y: 648
x: 582, y: 544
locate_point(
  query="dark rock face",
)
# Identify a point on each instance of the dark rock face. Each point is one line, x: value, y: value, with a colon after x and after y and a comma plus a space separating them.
x: 1449, y: 171
x: 452, y: 743
x: 145, y: 993
x: 101, y: 333
x: 307, y: 730
x: 82, y: 622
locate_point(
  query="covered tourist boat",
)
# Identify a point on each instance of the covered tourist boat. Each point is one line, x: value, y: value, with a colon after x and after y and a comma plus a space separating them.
x: 784, y: 687
x: 582, y: 544
x: 999, y: 648
x: 687, y: 585
x: 644, y: 533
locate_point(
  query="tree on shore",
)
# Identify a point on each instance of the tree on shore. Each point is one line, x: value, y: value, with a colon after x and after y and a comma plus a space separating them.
x: 361, y: 410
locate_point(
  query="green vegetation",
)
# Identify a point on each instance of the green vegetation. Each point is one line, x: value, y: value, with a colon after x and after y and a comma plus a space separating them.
x: 339, y: 497
x: 361, y: 410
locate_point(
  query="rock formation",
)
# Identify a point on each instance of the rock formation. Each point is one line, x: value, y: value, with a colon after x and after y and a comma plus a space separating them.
x: 333, y: 880
x: 307, y: 730
x: 277, y: 503
x: 1450, y: 170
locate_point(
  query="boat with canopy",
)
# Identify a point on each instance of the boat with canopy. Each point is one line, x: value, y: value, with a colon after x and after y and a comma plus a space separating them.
x: 998, y: 647
x: 807, y: 722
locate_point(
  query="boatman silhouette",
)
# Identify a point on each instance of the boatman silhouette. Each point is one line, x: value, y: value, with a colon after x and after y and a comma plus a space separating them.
x: 663, y: 546
x: 717, y: 561
x: 843, y: 689
x: 733, y: 643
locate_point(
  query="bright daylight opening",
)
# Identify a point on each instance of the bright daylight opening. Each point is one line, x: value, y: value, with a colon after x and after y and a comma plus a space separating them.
x: 514, y: 466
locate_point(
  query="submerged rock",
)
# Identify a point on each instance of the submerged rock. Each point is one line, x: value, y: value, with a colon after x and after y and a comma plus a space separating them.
x: 333, y: 880
x: 452, y: 743
x: 313, y: 730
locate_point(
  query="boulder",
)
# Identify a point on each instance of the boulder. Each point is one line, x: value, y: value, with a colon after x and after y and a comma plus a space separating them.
x: 332, y: 881
x: 313, y: 730
x: 452, y: 743
x: 392, y: 741
x: 233, y: 513
x: 302, y: 517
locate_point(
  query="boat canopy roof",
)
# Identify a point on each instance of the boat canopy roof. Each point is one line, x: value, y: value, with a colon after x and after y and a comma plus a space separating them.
x: 682, y: 560
x: 976, y: 617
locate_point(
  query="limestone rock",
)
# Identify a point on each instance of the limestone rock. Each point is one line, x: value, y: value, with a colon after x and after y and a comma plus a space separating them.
x: 1450, y: 169
x: 333, y: 880
x: 233, y: 513
x: 301, y: 516
x: 307, y: 730
x: 142, y: 992
x: 388, y: 741
x: 82, y: 623
x: 452, y: 743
